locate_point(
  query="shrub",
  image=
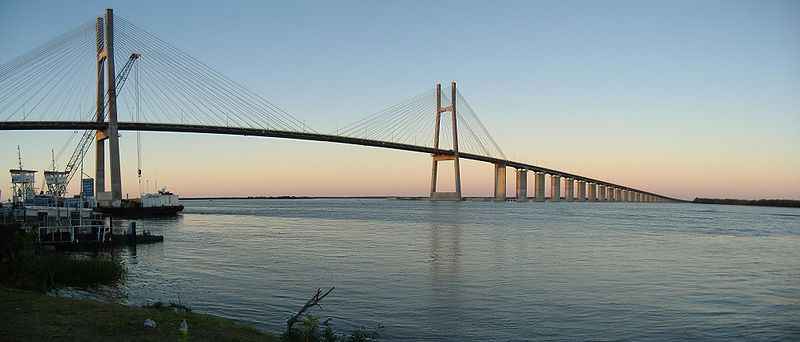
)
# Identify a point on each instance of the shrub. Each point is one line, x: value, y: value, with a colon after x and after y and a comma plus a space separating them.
x: 311, y: 332
x: 43, y: 272
x: 13, y: 242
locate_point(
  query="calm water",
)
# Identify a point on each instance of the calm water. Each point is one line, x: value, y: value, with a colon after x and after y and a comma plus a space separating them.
x: 484, y: 271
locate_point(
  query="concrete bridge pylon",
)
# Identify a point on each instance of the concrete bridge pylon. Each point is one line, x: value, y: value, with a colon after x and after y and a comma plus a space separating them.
x: 105, y: 60
x: 435, y: 194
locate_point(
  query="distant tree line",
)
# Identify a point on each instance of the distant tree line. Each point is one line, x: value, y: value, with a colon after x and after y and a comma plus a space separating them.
x: 761, y: 202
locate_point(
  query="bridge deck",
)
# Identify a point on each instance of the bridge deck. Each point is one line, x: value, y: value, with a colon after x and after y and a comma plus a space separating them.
x: 160, y: 127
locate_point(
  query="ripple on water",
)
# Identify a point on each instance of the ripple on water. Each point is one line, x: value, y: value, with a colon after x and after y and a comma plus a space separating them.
x: 484, y: 271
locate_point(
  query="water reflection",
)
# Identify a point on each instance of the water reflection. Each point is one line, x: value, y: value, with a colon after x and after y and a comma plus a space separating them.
x: 473, y: 272
x: 446, y: 289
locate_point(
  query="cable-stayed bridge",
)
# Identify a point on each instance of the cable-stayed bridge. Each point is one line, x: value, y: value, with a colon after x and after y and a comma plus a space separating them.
x: 71, y: 83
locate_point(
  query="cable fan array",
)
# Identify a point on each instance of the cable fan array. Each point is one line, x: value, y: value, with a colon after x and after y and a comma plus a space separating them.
x: 176, y: 88
x: 412, y: 122
x: 56, y: 82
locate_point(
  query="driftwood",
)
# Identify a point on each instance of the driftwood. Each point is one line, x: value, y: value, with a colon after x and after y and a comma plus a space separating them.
x: 314, y: 301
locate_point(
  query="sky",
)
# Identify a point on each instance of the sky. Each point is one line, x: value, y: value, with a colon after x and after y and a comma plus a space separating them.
x: 682, y: 98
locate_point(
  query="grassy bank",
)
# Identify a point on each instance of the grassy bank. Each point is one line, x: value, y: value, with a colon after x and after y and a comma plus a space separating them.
x: 29, y: 316
x: 34, y: 316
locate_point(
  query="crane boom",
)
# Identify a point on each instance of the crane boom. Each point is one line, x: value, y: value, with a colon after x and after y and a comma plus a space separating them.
x: 88, y: 136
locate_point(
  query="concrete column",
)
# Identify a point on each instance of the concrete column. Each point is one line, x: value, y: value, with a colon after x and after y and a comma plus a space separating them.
x: 569, y: 186
x: 592, y: 192
x: 610, y: 194
x: 626, y: 196
x: 436, y: 195
x: 581, y: 191
x: 638, y: 197
x: 499, y: 182
x: 617, y: 195
x: 602, y: 193
x: 100, y: 144
x: 113, y: 135
x: 522, y: 185
x: 555, y: 188
x: 539, y: 187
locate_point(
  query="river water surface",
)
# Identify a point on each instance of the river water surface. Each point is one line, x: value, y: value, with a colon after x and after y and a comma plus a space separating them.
x: 480, y: 271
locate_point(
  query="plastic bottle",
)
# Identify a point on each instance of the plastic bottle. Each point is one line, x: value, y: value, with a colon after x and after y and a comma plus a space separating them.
x: 183, y: 334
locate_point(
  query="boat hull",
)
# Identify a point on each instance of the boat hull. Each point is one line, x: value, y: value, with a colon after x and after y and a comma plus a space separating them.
x: 140, y: 212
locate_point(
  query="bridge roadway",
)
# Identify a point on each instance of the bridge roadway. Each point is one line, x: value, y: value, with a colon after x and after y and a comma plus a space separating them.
x: 161, y: 127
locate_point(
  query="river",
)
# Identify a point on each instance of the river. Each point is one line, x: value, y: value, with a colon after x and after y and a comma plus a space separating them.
x: 480, y: 271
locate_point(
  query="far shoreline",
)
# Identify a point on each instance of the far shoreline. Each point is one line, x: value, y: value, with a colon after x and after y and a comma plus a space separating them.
x: 783, y: 203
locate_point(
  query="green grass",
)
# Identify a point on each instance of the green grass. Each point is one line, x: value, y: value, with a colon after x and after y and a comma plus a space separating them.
x: 30, y: 316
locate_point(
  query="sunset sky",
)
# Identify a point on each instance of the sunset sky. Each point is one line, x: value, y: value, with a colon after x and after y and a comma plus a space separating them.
x: 682, y: 98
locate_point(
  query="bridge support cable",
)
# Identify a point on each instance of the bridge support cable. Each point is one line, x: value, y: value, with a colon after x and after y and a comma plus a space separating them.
x: 403, y: 122
x: 476, y: 129
x: 177, y: 88
x: 410, y: 122
x: 51, y: 81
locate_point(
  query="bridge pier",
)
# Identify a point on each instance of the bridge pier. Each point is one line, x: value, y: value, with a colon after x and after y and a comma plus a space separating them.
x: 500, y: 182
x: 617, y: 195
x: 569, y: 188
x: 602, y: 191
x: 581, y: 190
x: 522, y: 185
x: 437, y: 195
x: 539, y: 187
x: 105, y: 59
x: 610, y: 190
x: 592, y: 192
x: 555, y: 188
